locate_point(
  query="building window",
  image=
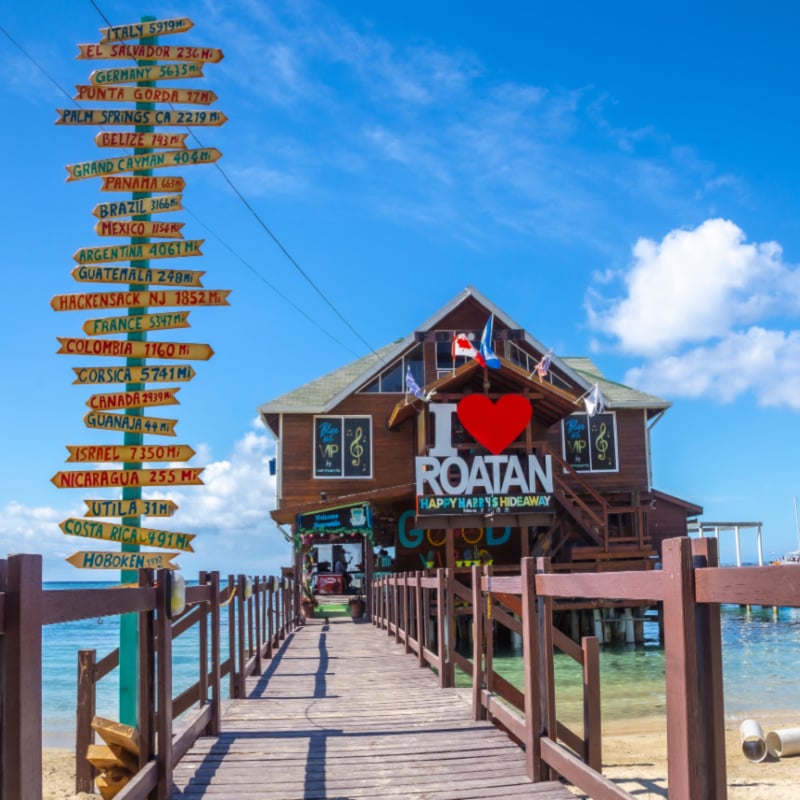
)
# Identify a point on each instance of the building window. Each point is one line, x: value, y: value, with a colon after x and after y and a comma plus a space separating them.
x: 342, y: 447
x: 392, y: 380
x: 590, y: 443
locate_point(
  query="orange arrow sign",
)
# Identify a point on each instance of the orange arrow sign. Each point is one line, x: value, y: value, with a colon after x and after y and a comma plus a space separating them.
x: 167, y: 320
x: 141, y: 140
x: 130, y: 508
x: 127, y: 534
x: 142, y: 205
x: 130, y: 423
x: 136, y: 398
x: 140, y: 228
x: 165, y: 298
x: 157, y: 72
x: 131, y: 116
x: 148, y: 373
x: 123, y: 478
x: 158, y: 159
x: 142, y: 183
x: 129, y: 349
x: 91, y: 273
x: 128, y: 453
x: 110, y: 560
x: 151, y: 52
x: 146, y: 29
x: 144, y: 94
x: 138, y: 252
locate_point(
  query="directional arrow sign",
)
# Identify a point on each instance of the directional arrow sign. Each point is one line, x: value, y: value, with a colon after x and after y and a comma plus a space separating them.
x: 142, y: 205
x: 110, y: 560
x: 162, y: 298
x: 157, y: 72
x: 122, y: 478
x: 138, y: 323
x: 142, y: 183
x: 144, y: 94
x: 149, y: 373
x: 130, y: 508
x: 130, y: 423
x: 138, y: 252
x: 129, y: 349
x: 143, y: 275
x: 130, y: 116
x: 144, y: 229
x: 141, y: 140
x: 150, y: 52
x: 136, y: 398
x: 128, y: 453
x: 127, y: 534
x: 144, y: 30
x: 156, y: 160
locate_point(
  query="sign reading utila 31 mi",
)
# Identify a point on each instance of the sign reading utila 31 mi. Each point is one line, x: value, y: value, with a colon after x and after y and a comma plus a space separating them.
x: 157, y: 96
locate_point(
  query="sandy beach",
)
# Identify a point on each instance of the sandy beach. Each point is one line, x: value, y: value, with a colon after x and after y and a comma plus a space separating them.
x: 634, y: 756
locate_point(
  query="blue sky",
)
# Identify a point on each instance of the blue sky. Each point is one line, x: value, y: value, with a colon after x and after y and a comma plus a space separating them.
x: 622, y: 180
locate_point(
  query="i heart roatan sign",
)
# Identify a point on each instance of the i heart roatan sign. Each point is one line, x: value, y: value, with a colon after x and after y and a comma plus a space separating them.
x: 494, y: 425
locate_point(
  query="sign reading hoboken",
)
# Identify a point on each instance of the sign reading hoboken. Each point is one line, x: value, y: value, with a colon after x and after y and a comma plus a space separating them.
x: 448, y: 483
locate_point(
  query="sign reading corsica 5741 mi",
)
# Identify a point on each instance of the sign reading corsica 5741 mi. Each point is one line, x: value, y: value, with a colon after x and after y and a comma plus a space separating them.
x: 448, y: 483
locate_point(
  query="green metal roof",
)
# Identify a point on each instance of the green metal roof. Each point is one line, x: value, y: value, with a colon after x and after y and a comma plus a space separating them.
x: 617, y: 394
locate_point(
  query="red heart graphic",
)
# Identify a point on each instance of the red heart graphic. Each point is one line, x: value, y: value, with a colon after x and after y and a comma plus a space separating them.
x: 495, y: 425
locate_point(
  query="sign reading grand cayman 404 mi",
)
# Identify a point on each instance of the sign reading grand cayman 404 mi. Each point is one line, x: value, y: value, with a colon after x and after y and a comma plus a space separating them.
x: 146, y: 308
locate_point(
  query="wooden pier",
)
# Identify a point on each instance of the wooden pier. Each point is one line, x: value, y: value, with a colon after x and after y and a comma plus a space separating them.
x: 348, y: 714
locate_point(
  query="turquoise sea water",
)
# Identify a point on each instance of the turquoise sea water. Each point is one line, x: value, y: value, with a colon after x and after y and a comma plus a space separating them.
x: 760, y: 654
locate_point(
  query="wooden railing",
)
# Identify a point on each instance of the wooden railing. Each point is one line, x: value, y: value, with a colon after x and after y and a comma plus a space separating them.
x: 690, y: 588
x: 260, y: 613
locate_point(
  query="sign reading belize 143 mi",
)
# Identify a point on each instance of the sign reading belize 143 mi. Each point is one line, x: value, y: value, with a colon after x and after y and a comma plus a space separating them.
x: 448, y: 483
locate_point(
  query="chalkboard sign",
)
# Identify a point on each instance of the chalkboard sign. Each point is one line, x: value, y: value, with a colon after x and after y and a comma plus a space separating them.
x: 342, y: 447
x: 590, y: 443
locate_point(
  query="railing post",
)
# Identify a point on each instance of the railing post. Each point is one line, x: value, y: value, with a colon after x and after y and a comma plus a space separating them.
x: 592, y: 732
x: 419, y: 619
x: 216, y: 672
x: 478, y: 710
x: 531, y: 666
x: 547, y: 681
x: 270, y: 628
x: 164, y: 688
x: 450, y: 625
x: 21, y: 680
x: 441, y: 640
x: 241, y: 690
x: 202, y: 580
x: 85, y: 712
x: 231, y: 600
x: 258, y: 597
x: 147, y: 677
x: 687, y: 774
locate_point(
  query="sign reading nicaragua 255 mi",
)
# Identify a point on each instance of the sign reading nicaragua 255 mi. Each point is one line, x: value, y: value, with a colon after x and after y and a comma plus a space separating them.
x: 95, y: 478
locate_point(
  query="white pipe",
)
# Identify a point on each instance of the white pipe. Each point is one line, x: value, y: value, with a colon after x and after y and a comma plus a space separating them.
x: 760, y: 547
x: 738, y: 547
x: 785, y: 742
x: 754, y: 748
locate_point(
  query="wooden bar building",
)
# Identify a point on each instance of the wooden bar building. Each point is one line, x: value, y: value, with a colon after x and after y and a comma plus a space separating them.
x: 465, y: 463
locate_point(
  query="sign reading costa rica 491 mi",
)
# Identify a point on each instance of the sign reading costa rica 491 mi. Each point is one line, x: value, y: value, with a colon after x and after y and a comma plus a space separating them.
x: 448, y: 483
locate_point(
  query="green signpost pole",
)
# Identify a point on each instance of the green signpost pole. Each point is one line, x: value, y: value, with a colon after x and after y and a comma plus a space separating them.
x: 129, y: 623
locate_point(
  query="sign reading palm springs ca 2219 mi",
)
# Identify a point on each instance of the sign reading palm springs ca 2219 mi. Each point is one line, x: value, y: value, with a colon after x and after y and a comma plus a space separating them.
x: 123, y: 172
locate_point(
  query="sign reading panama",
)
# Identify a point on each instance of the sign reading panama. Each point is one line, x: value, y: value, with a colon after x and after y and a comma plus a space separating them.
x: 448, y: 483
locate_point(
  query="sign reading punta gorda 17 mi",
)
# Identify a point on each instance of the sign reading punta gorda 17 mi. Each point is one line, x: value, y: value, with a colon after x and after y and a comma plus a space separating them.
x: 153, y: 104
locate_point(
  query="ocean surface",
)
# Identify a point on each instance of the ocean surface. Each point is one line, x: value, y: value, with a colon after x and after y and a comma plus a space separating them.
x: 761, y: 650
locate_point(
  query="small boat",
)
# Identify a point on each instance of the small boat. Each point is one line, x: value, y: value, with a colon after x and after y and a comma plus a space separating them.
x: 793, y: 556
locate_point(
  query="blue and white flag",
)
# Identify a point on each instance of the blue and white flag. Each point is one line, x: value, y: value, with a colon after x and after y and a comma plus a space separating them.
x: 412, y: 386
x: 485, y: 356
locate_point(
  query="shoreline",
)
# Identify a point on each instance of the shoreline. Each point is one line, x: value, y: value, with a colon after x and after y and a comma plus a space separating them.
x: 634, y: 757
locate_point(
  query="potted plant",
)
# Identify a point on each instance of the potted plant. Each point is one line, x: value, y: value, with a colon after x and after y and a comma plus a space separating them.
x: 357, y: 606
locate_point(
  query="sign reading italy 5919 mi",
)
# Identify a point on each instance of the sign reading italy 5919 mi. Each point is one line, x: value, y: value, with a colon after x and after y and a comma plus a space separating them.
x: 147, y: 309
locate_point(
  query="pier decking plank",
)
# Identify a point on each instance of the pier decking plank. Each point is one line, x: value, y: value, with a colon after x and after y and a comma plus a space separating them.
x: 341, y: 712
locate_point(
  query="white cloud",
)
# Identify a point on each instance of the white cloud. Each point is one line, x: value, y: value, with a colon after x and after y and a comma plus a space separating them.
x: 229, y: 515
x: 692, y: 286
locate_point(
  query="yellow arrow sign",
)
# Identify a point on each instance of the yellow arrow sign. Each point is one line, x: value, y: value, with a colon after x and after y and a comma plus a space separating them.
x: 157, y: 72
x: 124, y: 478
x: 136, y: 398
x: 138, y: 252
x: 142, y: 183
x: 141, y: 228
x: 128, y: 453
x: 141, y: 140
x: 148, y: 373
x: 130, y: 116
x: 143, y: 275
x: 144, y: 94
x: 164, y: 298
x: 142, y: 205
x: 130, y: 423
x: 129, y: 349
x: 156, y: 160
x: 167, y: 320
x: 110, y: 560
x: 143, y: 30
x: 151, y: 52
x: 127, y: 534
x: 130, y: 508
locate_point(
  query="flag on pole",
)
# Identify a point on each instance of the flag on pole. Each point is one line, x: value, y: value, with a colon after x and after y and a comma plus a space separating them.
x: 595, y: 402
x: 486, y: 356
x: 462, y: 346
x: 412, y: 386
x: 543, y: 367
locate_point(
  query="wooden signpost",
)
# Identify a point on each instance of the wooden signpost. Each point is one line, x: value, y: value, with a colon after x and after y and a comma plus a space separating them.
x: 156, y: 103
